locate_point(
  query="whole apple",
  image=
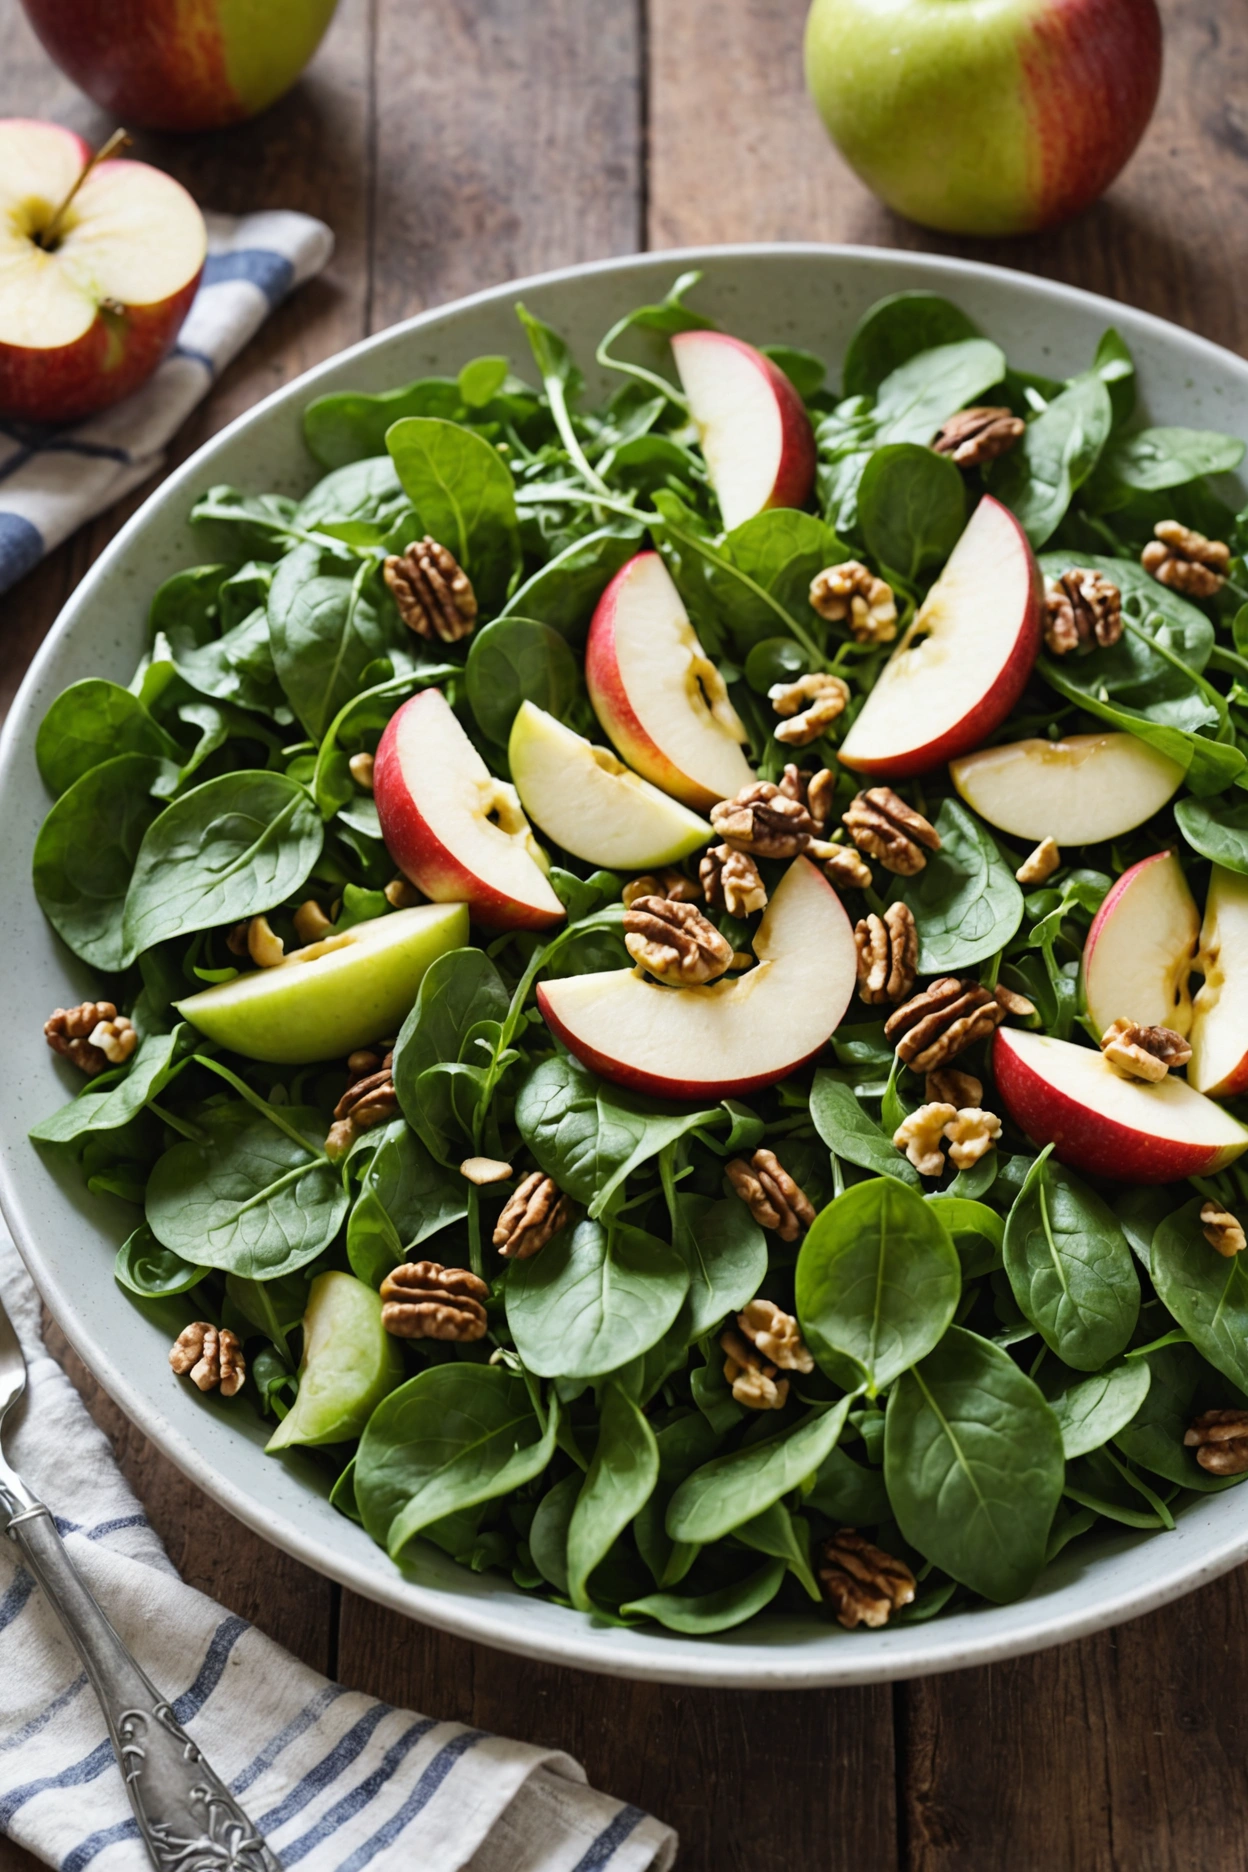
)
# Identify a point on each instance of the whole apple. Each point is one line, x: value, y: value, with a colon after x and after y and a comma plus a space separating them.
x: 181, y: 64
x: 985, y: 116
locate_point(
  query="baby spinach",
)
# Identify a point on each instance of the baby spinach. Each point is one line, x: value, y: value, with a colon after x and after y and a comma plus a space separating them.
x: 151, y: 1271
x: 965, y: 901
x: 593, y: 1299
x: 848, y: 1493
x: 104, y: 1107
x: 1055, y: 455
x: 702, y: 1614
x: 1070, y: 1267
x: 463, y: 491
x: 1093, y: 1411
x: 1217, y: 829
x: 348, y: 426
x: 1207, y: 1293
x: 91, y: 722
x: 518, y: 660
x: 1150, y: 460
x: 562, y: 593
x: 918, y: 395
x: 682, y: 1445
x: 911, y: 508
x: 356, y: 491
x: 785, y: 1537
x: 86, y: 851
x: 1183, y: 1384
x: 548, y: 1536
x: 898, y: 328
x: 726, y: 1253
x: 619, y: 1483
x: 328, y: 624
x: 459, y: 993
x: 405, y: 1197
x: 978, y: 1232
x: 851, y: 1132
x: 769, y: 562
x: 731, y: 1489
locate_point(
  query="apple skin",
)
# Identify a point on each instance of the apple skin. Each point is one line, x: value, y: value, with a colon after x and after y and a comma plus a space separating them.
x: 795, y: 471
x: 1221, y: 1006
x: 349, y: 1363
x: 995, y: 118
x: 1133, y: 897
x: 181, y: 64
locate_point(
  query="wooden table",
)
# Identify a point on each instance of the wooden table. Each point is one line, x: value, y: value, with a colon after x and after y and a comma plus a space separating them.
x: 456, y: 143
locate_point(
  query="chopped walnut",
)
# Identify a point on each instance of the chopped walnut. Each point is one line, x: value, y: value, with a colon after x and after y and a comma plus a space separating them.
x: 1082, y: 609
x: 776, y: 1334
x: 674, y: 942
x: 1011, y: 1002
x: 537, y: 1210
x: 882, y: 825
x: 862, y: 1583
x: 971, y: 437
x: 116, y: 1039
x: 360, y: 767
x: 732, y: 881
x: 401, y: 894
x: 948, y: 1086
x: 424, y: 1300
x: 483, y: 1171
x: 971, y: 1134
x: 1040, y: 864
x: 752, y: 1377
x: 367, y: 1102
x: 1185, y: 560
x: 672, y: 884
x: 820, y: 797
x: 769, y: 1193
x: 941, y: 1021
x: 763, y: 820
x: 920, y: 1136
x: 1220, y: 1440
x: 812, y: 703
x: 851, y: 593
x: 264, y: 946
x: 71, y: 1033
x: 888, y: 955
x: 211, y: 1357
x: 434, y: 595
x: 311, y: 922
x: 840, y: 864
x: 1222, y: 1230
x: 1143, y: 1052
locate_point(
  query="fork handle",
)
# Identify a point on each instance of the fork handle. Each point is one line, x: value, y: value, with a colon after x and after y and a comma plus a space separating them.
x: 186, y: 1815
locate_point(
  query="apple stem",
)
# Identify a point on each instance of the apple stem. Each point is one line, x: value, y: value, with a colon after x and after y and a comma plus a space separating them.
x: 118, y: 141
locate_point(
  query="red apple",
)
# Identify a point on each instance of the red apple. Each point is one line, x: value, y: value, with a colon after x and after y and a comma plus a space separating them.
x: 84, y: 321
x: 732, y: 1036
x: 962, y: 665
x: 756, y: 435
x: 1219, y: 1030
x: 457, y: 832
x: 1107, y: 1125
x: 1141, y: 949
x: 660, y: 699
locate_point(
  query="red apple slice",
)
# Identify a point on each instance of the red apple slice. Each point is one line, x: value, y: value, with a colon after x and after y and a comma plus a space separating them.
x: 961, y: 666
x: 84, y: 322
x: 1071, y: 1097
x: 1079, y: 791
x: 1140, y: 948
x: 660, y: 699
x: 756, y: 435
x: 1219, y: 1030
x: 731, y: 1036
x: 457, y: 832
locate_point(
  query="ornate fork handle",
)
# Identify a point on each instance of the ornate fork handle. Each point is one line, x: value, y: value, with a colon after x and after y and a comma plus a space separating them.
x: 189, y: 1820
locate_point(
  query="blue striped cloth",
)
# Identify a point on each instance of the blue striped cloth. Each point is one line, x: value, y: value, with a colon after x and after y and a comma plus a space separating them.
x: 52, y: 479
x: 337, y: 1781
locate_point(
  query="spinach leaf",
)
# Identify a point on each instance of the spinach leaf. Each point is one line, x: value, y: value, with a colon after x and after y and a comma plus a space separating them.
x: 911, y: 508
x: 405, y: 1197
x: 459, y: 992
x: 848, y: 1493
x: 978, y: 1232
x: 785, y: 1537
x: 849, y: 1131
x: 85, y: 854
x: 726, y: 1254
x: 965, y: 900
x: 1217, y: 829
x: 731, y: 1489
x: 517, y: 660
x: 1206, y: 1293
x: 347, y: 426
x: 1115, y: 367
x: 1054, y: 456
x: 463, y: 491
x: 91, y: 722
x: 153, y: 1272
x: 1092, y: 1411
x: 877, y: 1283
x: 620, y: 1481
x: 1070, y: 1267
x: 548, y: 1536
x: 683, y: 1446
x: 562, y: 593
x: 593, y: 1299
x: 1183, y: 1385
x: 700, y: 1614
x: 916, y: 397
x: 357, y: 491
x: 804, y: 370
x: 106, y: 1107
x: 227, y: 658
x: 1102, y: 1482
x: 779, y: 551
x: 974, y: 1466
x: 898, y: 328
x: 1153, y: 459
x: 326, y: 628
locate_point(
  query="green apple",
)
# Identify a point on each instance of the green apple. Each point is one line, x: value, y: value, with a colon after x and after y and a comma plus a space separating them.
x: 588, y: 801
x: 323, y: 1001
x: 349, y: 1364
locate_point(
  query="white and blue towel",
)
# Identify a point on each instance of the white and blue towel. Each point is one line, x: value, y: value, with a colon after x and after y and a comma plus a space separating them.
x: 337, y: 1781
x: 52, y: 479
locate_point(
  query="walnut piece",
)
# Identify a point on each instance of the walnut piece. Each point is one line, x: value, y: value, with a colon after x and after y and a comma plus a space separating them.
x: 210, y: 1356
x: 840, y: 864
x: 360, y: 767
x: 862, y: 1583
x: 1143, y: 1052
x: 1222, y: 1230
x: 886, y: 829
x: 971, y: 437
x: 752, y: 1377
x: 368, y: 1101
x: 1082, y: 610
x: 769, y: 1193
x: 818, y: 794
x: 941, y: 1021
x: 920, y: 1136
x: 948, y: 1086
x: 776, y: 1334
x: 674, y: 942
x: 732, y: 881
x: 1040, y: 864
x: 888, y: 955
x: 763, y: 820
x: 851, y: 593
x: 971, y: 1134
x: 536, y: 1210
x: 424, y: 1300
x: 116, y: 1039
x: 671, y: 883
x: 482, y: 1171
x: 811, y: 704
x: 1185, y: 560
x: 311, y: 922
x: 1220, y: 1440
x: 71, y: 1033
x: 434, y: 595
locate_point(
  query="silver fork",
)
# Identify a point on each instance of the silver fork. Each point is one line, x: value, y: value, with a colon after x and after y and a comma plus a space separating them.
x: 187, y: 1817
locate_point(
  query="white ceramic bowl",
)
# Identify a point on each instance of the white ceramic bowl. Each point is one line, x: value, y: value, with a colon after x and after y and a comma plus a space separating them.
x: 806, y: 296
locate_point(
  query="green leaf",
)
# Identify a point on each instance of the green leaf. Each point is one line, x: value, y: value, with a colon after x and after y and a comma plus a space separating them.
x: 918, y: 396
x: 1154, y: 459
x: 848, y: 1493
x: 1071, y: 1267
x: 405, y: 1197
x: 619, y: 1483
x: 785, y: 1537
x: 731, y: 1489
x: 562, y: 593
x: 463, y: 491
x: 726, y: 1254
x: 107, y: 1107
x: 978, y: 1232
x: 911, y: 508
x: 701, y: 1614
x: 1092, y: 1411
x: 482, y: 379
x: 1217, y: 829
x: 349, y: 425
x: 1115, y: 367
x: 965, y: 900
x: 1183, y: 1385
x: 85, y: 855
x: 849, y: 1131
x: 1054, y: 456
x: 91, y: 722
x: 222, y: 655
x: 362, y: 490
x: 1206, y: 1292
x: 779, y: 551
x: 326, y: 628
x: 517, y: 660
x: 898, y: 328
x: 593, y: 1299
x: 458, y: 992
x: 154, y: 1273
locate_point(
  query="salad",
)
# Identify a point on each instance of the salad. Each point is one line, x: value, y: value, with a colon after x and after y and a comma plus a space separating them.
x: 672, y: 978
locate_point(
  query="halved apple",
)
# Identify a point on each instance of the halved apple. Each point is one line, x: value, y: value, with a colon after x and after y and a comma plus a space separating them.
x: 729, y: 1037
x: 1219, y: 1030
x: 1141, y: 948
x: 755, y: 433
x: 660, y: 699
x: 1097, y: 1121
x: 1078, y: 791
x: 962, y: 664
x: 323, y: 1001
x: 454, y: 829
x: 588, y: 801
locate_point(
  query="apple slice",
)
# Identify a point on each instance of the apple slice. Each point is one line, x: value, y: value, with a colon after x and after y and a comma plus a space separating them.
x: 1079, y: 791
x: 1141, y: 948
x: 660, y: 699
x: 1219, y: 1030
x: 755, y: 433
x: 962, y: 664
x: 589, y: 802
x: 454, y: 829
x: 349, y: 1363
x: 729, y: 1037
x: 1071, y: 1097
x: 324, y: 1000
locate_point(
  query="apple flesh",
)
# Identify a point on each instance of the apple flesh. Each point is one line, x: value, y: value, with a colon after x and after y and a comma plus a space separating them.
x: 1099, y: 1122
x: 1141, y: 948
x: 332, y: 996
x: 85, y: 321
x: 349, y: 1363
x: 661, y: 701
x: 1079, y: 791
x: 962, y: 664
x: 455, y: 830
x: 1219, y: 1029
x: 590, y: 803
x: 729, y: 1037
x: 996, y: 118
x: 755, y: 433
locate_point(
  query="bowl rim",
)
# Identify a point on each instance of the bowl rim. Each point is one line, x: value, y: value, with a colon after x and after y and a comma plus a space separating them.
x: 722, y: 1662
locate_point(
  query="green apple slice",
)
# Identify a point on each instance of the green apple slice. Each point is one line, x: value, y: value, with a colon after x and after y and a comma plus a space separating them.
x: 588, y: 801
x: 323, y: 1001
x: 349, y: 1364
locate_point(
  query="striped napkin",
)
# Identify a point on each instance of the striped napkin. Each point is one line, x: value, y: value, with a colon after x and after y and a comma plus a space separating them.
x: 335, y: 1780
x: 52, y: 478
